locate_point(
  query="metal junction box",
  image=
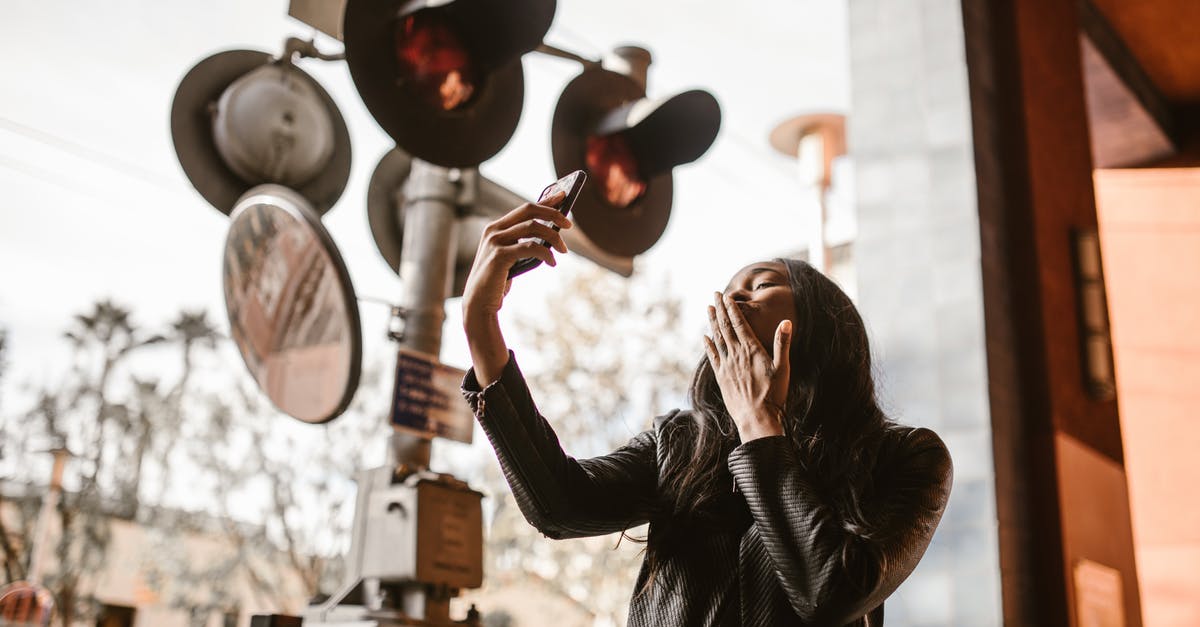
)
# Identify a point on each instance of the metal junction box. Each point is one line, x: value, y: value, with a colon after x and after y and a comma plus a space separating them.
x: 425, y: 531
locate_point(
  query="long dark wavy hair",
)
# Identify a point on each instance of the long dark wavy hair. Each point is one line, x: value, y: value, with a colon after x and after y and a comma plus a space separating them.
x: 831, y: 417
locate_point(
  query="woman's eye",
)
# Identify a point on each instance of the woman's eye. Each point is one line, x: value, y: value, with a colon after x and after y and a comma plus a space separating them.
x: 763, y: 284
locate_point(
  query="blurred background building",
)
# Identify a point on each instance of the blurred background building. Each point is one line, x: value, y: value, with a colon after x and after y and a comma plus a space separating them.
x: 136, y: 582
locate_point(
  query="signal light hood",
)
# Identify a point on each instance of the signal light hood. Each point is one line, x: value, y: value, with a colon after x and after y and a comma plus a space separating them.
x: 495, y: 33
x: 660, y: 135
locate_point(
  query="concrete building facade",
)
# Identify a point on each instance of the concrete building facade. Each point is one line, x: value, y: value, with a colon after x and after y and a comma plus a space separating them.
x: 917, y: 260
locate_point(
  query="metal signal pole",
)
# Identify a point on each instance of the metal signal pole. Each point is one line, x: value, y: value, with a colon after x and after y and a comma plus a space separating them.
x: 430, y: 216
x: 402, y: 503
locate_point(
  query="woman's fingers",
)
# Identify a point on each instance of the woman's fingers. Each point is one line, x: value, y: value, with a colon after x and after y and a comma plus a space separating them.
x: 783, y: 343
x: 500, y: 248
x: 710, y: 349
x: 736, y: 320
x: 531, y: 228
x: 718, y: 339
x: 727, y: 332
x: 530, y: 211
x: 523, y: 250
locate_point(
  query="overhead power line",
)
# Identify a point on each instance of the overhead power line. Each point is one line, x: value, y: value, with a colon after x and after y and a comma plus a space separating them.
x: 112, y: 162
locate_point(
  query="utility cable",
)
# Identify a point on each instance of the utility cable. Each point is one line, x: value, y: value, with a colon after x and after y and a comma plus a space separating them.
x: 157, y: 179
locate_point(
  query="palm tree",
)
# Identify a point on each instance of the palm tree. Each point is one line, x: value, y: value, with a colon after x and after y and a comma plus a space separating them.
x: 191, y: 330
x: 81, y: 413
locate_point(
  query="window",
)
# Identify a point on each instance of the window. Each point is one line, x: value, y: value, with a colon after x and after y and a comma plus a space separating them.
x: 115, y: 616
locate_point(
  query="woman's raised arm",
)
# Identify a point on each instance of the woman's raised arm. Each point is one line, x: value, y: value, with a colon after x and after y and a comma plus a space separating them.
x: 488, y: 283
x: 559, y: 495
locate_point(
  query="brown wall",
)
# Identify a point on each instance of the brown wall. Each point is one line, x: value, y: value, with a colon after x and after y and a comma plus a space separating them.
x: 1150, y: 236
x: 1058, y: 452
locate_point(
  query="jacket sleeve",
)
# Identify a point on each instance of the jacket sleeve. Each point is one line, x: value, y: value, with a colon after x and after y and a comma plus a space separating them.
x: 831, y: 574
x: 562, y: 497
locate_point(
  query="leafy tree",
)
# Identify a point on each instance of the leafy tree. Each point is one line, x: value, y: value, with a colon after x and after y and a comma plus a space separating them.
x: 196, y: 451
x: 3, y: 360
x: 88, y: 414
x: 279, y: 494
x: 9, y: 554
x: 187, y: 453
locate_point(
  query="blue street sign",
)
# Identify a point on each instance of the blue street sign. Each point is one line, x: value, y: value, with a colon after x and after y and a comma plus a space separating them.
x: 426, y: 399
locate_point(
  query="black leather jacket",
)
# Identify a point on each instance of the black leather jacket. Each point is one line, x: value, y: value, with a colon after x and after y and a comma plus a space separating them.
x: 775, y: 554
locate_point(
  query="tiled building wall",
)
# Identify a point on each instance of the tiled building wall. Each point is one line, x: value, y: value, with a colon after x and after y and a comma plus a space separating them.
x: 917, y: 258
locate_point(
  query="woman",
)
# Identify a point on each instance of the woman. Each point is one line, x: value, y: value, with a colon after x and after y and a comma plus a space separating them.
x: 783, y: 497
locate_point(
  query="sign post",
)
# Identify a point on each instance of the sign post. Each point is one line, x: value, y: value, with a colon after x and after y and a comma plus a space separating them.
x: 397, y: 572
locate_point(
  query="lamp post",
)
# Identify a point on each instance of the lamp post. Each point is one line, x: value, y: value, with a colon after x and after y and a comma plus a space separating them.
x: 814, y: 140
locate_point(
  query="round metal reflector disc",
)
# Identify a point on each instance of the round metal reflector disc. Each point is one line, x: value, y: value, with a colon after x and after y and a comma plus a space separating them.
x: 292, y: 309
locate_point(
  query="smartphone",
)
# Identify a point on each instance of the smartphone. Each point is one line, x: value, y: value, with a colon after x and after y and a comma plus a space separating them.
x: 570, y: 185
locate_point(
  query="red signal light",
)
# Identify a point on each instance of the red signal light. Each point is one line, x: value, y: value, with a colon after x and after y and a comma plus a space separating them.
x: 431, y: 56
x: 611, y: 163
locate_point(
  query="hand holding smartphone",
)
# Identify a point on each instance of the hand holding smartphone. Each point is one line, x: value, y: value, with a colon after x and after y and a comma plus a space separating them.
x: 569, y: 185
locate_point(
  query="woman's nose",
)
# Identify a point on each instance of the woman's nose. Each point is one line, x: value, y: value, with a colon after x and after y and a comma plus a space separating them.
x: 739, y: 294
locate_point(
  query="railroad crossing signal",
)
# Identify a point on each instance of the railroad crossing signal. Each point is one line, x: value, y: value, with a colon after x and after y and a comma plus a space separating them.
x: 242, y: 118
x: 628, y: 144
x: 444, y: 78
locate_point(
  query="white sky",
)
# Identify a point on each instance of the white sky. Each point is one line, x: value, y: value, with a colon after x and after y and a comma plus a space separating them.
x: 93, y: 203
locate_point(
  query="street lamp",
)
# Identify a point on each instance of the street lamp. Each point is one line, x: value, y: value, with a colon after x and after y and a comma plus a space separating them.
x: 815, y: 141
x: 28, y: 603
